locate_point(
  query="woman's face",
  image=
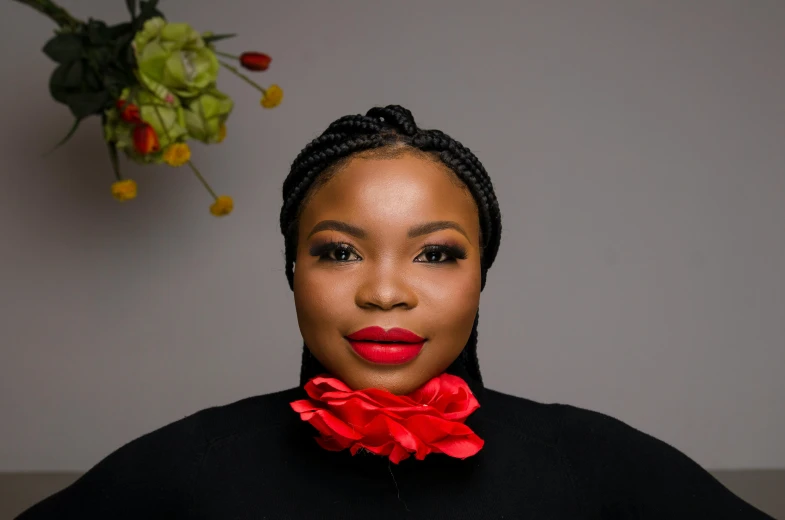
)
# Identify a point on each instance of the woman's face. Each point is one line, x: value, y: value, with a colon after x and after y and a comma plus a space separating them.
x: 388, y: 242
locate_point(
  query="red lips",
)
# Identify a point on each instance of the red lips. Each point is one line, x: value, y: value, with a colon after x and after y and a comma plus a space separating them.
x: 391, y: 347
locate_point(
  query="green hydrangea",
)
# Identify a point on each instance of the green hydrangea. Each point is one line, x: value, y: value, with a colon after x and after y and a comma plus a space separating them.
x: 205, y: 115
x: 173, y: 57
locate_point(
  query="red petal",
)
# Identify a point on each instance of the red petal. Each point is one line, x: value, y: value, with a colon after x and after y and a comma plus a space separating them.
x: 330, y: 444
x: 398, y: 454
x: 428, y: 392
x: 431, y: 429
x: 460, y: 447
x: 303, y: 405
x: 385, y: 398
x: 403, y: 436
x: 461, y: 410
x: 329, y: 426
x: 320, y: 385
x: 354, y: 411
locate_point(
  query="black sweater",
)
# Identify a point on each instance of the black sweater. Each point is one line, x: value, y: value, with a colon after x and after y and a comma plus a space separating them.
x: 255, y: 459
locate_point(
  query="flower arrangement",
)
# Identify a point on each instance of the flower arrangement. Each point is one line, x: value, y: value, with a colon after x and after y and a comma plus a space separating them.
x: 152, y: 82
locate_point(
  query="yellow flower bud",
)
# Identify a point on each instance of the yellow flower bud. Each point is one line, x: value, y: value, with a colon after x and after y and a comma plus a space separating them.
x: 177, y: 154
x: 124, y: 190
x: 272, y: 97
x: 221, y: 134
x: 223, y: 205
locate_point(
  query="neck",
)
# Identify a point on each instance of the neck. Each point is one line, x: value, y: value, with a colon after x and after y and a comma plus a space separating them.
x: 311, y: 367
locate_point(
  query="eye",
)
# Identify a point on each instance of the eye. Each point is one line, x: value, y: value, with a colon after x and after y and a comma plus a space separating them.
x: 335, y: 252
x: 441, y: 254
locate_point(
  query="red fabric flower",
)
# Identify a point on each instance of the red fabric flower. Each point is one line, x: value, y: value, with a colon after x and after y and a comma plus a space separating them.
x: 429, y: 420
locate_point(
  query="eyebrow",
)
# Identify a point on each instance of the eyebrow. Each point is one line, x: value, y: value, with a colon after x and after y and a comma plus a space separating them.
x: 413, y: 232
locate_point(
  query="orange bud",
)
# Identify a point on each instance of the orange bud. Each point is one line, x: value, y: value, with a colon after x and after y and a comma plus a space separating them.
x: 255, y: 61
x: 128, y: 112
x: 145, y: 139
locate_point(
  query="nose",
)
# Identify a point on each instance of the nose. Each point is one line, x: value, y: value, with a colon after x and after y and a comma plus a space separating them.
x: 386, y: 288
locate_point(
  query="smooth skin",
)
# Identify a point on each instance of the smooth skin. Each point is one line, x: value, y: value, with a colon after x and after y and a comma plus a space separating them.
x: 382, y: 270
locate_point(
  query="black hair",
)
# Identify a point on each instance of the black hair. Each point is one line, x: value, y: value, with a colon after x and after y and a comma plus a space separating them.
x: 390, y: 127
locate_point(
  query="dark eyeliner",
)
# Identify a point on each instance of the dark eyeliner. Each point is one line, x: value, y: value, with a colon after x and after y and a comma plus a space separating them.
x: 322, y: 250
x: 454, y: 252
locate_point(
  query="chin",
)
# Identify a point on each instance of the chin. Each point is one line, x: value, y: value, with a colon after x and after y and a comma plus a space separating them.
x: 396, y: 380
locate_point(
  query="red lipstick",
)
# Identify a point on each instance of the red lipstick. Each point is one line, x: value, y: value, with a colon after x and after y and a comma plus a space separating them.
x: 391, y: 347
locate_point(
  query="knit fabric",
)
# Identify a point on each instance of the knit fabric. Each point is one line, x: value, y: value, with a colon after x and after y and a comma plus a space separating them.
x: 256, y: 459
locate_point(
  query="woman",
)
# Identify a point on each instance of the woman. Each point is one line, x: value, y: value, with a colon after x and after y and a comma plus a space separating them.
x: 389, y: 233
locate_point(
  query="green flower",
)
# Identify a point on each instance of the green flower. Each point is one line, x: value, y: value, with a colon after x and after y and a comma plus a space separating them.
x: 174, y: 57
x: 166, y: 119
x: 205, y: 115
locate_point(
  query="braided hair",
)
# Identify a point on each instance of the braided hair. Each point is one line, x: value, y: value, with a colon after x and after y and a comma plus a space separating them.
x: 381, y: 129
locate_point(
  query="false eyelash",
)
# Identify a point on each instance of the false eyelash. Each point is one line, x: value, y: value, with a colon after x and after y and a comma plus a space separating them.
x: 453, y: 252
x: 322, y: 250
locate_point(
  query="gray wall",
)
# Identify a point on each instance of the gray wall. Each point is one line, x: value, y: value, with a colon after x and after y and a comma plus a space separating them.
x: 636, y: 147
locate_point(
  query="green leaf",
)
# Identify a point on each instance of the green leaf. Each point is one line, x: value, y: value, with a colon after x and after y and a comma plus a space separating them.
x: 64, y: 48
x: 93, y: 81
x: 68, y: 136
x: 148, y: 9
x: 122, y: 46
x: 83, y: 104
x: 131, y: 5
x: 121, y: 30
x: 65, y: 79
x: 116, y: 80
x: 217, y: 37
x: 100, y: 57
x: 98, y: 33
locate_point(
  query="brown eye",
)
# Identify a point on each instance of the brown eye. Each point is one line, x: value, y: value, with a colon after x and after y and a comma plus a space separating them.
x: 341, y: 254
x: 335, y: 252
x: 435, y: 256
x: 440, y: 254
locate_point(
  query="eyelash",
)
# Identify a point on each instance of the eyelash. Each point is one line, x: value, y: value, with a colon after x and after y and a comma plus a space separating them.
x: 453, y: 253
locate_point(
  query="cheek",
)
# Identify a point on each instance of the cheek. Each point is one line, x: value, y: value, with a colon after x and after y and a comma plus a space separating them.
x: 320, y: 302
x: 451, y: 303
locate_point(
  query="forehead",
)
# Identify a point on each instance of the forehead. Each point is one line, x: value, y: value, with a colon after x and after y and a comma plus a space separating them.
x: 403, y: 190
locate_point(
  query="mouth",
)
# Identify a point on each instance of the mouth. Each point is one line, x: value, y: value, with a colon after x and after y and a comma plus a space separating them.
x: 391, y: 347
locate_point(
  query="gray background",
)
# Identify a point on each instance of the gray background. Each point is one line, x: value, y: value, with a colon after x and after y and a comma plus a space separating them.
x: 636, y: 148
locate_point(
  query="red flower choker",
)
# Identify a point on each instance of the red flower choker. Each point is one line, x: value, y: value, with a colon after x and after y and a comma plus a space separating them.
x: 429, y: 420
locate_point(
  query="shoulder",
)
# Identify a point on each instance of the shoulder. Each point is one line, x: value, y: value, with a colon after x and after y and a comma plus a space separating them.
x: 568, y: 426
x: 246, y: 415
x: 591, y: 439
x: 535, y: 421
x: 197, y: 431
x: 615, y: 468
x: 558, y: 424
x: 619, y: 469
x: 155, y: 474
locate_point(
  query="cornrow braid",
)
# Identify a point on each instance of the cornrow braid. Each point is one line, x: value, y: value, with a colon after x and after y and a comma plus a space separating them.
x: 382, y: 127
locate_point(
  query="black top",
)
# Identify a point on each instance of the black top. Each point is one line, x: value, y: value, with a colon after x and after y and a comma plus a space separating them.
x: 255, y: 459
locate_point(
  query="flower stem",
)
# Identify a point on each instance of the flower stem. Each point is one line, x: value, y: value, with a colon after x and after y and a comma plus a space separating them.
x: 226, y: 55
x: 59, y: 15
x: 115, y: 162
x: 201, y: 179
x: 242, y: 76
